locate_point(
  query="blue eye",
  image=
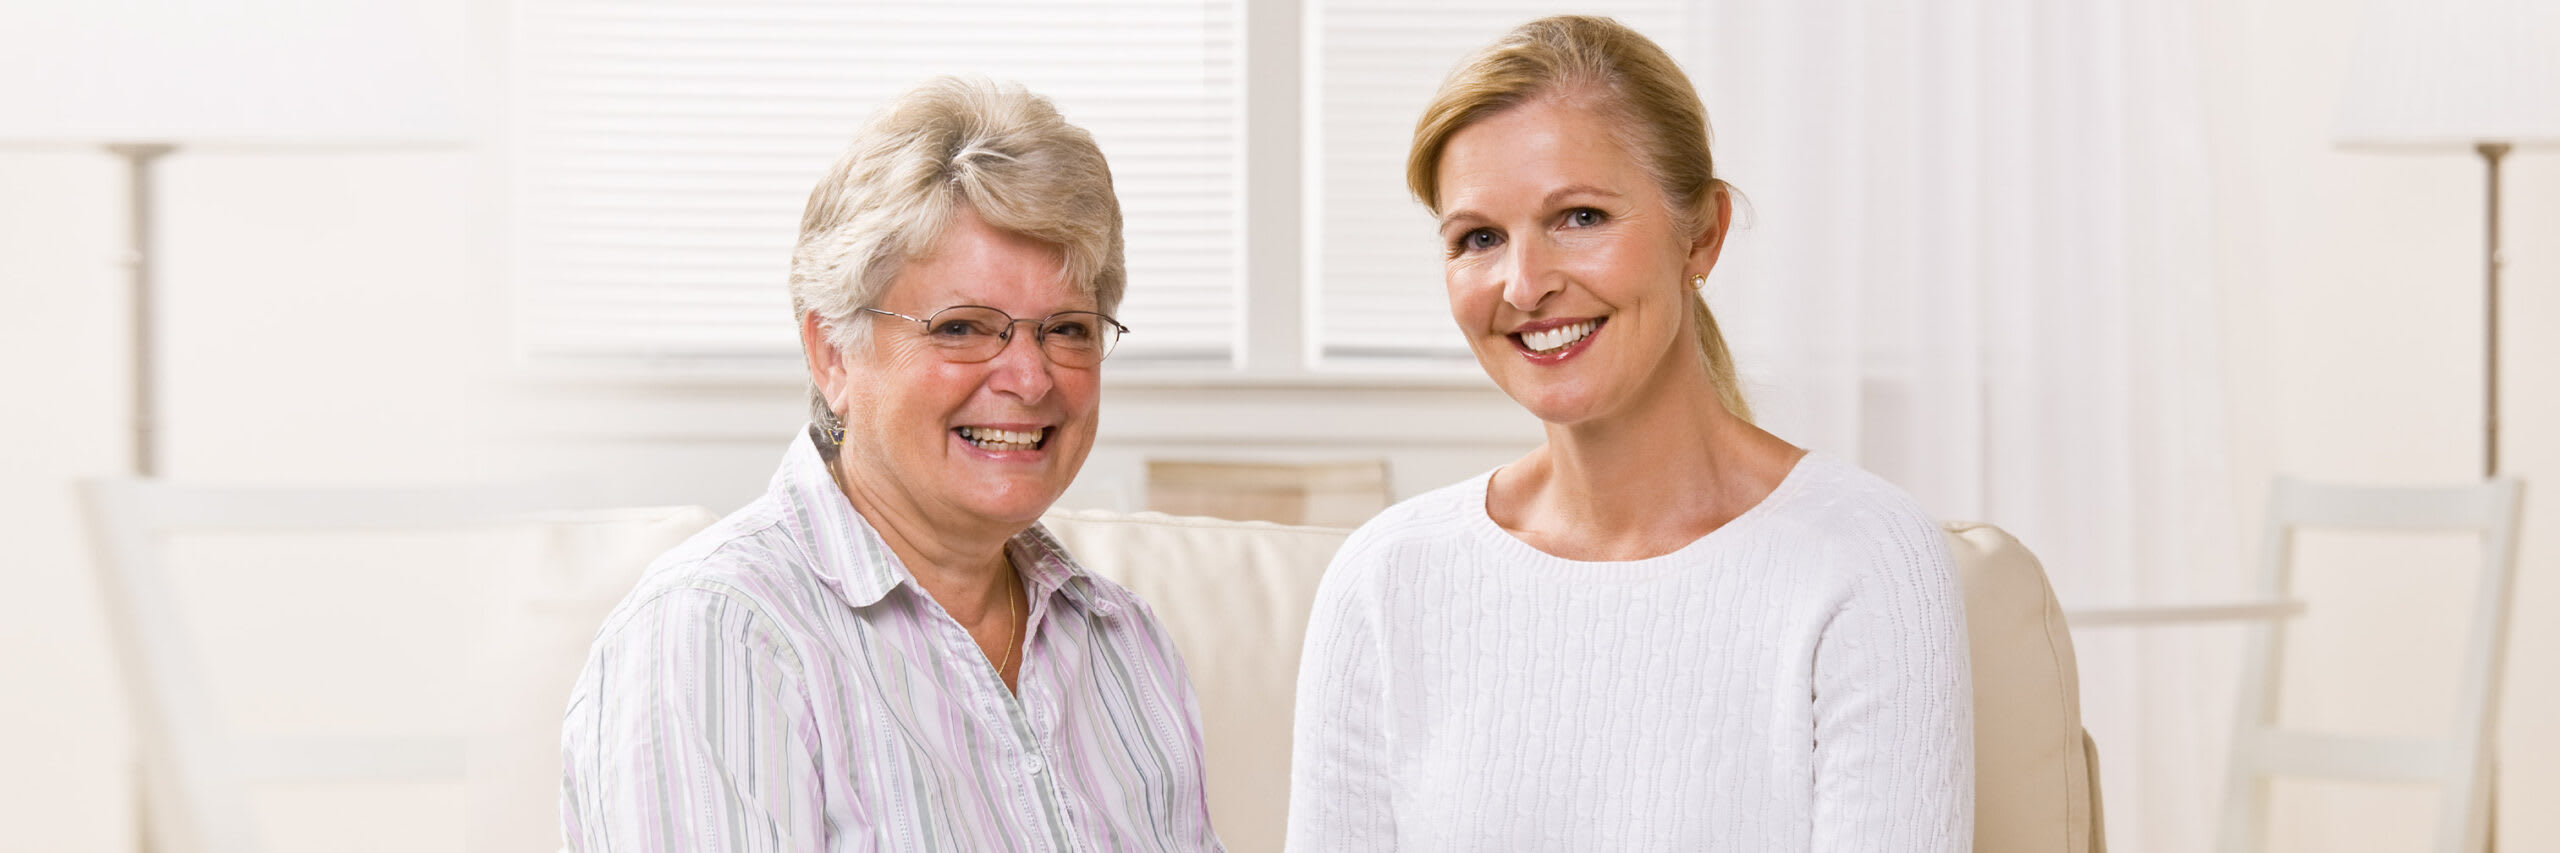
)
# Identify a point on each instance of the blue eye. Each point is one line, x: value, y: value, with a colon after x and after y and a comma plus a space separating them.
x: 1584, y: 217
x: 1477, y: 240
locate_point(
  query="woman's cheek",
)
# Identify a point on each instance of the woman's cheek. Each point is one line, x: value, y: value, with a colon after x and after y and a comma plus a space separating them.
x: 1467, y: 293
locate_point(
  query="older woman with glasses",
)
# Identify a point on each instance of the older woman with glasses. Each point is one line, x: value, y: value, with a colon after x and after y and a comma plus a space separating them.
x: 886, y: 651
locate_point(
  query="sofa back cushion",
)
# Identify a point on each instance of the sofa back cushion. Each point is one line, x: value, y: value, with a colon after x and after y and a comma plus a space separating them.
x: 2033, y: 786
x: 1235, y: 596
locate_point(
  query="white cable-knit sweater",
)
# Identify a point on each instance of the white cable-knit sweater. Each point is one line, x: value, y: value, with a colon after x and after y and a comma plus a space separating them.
x: 1795, y: 680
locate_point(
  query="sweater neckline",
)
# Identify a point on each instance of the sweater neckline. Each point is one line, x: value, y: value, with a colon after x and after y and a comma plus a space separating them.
x: 1480, y: 520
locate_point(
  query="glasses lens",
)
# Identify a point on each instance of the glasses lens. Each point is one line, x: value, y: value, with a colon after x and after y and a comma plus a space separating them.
x: 968, y: 332
x: 1078, y: 338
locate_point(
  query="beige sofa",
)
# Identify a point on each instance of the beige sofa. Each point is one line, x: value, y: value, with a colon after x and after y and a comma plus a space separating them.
x: 1235, y: 595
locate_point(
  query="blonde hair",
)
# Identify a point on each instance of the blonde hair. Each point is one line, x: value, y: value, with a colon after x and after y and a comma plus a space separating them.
x: 1658, y: 119
x: 1004, y: 153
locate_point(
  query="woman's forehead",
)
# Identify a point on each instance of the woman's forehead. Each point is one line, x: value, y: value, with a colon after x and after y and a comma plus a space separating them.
x: 1015, y: 294
x: 1537, y: 150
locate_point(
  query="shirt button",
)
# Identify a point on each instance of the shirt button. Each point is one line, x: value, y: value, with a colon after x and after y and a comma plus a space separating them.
x: 1031, y: 764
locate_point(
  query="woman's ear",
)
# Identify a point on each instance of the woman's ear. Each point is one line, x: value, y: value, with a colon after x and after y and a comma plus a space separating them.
x: 1709, y: 244
x: 826, y: 360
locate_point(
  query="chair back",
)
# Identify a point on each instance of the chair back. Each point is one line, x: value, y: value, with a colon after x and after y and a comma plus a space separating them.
x: 197, y: 767
x: 2458, y: 763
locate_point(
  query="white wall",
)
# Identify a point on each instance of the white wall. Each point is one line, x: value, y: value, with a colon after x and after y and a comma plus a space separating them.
x: 334, y: 319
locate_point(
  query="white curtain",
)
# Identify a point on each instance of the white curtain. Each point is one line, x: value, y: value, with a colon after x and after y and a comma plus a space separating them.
x: 1975, y: 259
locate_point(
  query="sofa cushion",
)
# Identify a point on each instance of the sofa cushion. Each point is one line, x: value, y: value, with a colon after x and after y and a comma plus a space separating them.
x: 2034, y: 788
x: 1235, y: 596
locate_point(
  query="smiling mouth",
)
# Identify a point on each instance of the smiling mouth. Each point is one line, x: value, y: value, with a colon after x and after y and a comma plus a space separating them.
x: 1555, y: 340
x: 990, y: 438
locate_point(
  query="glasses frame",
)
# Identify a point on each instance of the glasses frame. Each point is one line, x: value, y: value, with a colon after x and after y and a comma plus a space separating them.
x: 1039, y: 332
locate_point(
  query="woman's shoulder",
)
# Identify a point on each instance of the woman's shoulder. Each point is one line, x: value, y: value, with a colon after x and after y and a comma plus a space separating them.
x: 1833, y: 501
x: 739, y: 569
x: 1433, y: 516
x: 1832, y: 492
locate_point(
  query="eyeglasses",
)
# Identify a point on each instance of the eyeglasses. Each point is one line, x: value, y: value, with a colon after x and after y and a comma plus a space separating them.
x: 973, y: 333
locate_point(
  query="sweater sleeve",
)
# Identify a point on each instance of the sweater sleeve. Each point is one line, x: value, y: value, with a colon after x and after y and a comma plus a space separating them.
x: 1893, y: 700
x: 1339, y: 789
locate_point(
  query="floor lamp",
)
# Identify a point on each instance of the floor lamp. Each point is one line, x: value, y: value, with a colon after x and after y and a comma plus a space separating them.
x: 2458, y: 75
x: 142, y: 80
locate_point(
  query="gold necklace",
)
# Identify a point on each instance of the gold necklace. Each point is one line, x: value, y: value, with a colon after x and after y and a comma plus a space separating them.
x: 1013, y: 632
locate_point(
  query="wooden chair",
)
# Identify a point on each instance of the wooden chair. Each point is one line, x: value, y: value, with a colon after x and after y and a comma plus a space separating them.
x: 2462, y: 762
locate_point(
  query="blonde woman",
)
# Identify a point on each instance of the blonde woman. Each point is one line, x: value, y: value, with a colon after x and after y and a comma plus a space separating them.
x: 1665, y: 628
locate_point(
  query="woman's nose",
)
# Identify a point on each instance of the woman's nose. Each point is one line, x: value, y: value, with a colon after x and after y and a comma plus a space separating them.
x: 1532, y: 276
x: 1020, y: 368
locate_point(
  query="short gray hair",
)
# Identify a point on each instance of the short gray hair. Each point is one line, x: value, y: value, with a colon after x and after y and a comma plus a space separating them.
x: 1000, y: 150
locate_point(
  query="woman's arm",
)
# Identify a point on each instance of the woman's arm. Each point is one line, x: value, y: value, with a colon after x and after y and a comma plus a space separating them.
x: 1893, y: 704
x: 688, y: 730
x: 1338, y: 783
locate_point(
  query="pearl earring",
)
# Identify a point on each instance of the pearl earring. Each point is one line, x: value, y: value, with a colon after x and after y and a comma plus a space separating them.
x: 1698, y: 281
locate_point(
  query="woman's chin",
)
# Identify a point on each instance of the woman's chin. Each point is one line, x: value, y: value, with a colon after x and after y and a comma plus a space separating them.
x: 1011, y: 501
x: 1562, y: 403
x: 1557, y: 393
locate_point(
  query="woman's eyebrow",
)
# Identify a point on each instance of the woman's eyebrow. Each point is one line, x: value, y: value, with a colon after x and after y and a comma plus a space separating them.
x: 1570, y: 190
x: 1456, y: 217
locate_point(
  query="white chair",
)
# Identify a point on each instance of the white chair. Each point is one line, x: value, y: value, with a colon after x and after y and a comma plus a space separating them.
x: 196, y: 769
x: 2463, y: 762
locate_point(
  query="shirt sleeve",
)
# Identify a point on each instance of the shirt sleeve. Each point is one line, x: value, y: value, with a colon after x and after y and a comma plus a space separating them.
x: 1893, y: 704
x: 688, y: 730
x: 1339, y: 790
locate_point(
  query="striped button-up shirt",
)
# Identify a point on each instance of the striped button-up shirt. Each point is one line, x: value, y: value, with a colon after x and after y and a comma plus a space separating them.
x: 781, y: 683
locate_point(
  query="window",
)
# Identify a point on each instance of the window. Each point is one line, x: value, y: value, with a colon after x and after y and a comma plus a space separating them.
x: 663, y: 149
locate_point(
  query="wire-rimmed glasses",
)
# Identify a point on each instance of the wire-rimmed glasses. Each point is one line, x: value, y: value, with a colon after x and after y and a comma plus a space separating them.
x: 973, y: 333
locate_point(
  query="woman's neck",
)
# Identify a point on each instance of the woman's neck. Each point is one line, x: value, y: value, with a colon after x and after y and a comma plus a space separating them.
x: 1642, y: 482
x: 963, y: 567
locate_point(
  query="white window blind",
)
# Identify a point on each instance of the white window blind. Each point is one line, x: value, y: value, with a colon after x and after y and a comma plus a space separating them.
x: 1377, y: 286
x: 664, y: 148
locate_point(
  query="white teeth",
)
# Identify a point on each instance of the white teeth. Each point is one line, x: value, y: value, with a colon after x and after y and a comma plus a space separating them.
x: 1557, y: 338
x: 1002, y: 439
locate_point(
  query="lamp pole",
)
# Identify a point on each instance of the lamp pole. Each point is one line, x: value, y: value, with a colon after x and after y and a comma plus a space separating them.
x: 2491, y: 152
x: 138, y: 157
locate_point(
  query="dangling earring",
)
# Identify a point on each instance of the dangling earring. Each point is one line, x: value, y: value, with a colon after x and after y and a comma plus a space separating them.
x: 830, y: 428
x: 1698, y: 281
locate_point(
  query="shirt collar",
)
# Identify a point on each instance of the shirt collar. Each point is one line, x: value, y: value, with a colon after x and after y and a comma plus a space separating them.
x: 849, y: 556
